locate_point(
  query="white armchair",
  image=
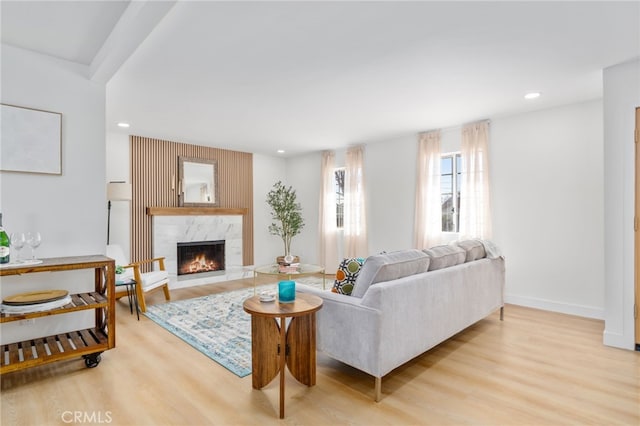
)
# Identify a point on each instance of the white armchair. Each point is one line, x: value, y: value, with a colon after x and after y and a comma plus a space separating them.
x: 145, y: 281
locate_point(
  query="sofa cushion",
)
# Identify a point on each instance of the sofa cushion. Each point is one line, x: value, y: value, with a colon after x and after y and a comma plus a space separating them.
x: 346, y: 275
x: 445, y: 256
x: 390, y: 266
x: 474, y: 249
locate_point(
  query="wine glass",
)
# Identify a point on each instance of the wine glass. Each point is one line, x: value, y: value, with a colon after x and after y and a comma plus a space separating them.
x: 33, y: 240
x: 17, y: 241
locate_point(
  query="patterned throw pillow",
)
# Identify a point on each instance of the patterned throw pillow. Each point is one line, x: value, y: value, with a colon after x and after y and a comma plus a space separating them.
x: 346, y: 275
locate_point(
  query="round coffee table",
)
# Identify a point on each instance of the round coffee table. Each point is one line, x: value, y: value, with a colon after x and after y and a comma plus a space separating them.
x: 304, y: 269
x: 274, y: 345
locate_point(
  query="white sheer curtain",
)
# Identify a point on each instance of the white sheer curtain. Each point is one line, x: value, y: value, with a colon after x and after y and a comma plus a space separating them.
x: 328, y: 249
x: 428, y: 216
x: 475, y: 202
x: 355, y: 220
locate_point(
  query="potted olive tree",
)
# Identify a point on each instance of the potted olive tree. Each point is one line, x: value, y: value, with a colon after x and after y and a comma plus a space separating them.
x: 287, y: 215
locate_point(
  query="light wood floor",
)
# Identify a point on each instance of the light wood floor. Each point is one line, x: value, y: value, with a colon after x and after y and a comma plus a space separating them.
x: 534, y: 368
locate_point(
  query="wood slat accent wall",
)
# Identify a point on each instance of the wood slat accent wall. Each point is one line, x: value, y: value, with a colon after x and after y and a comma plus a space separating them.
x: 154, y: 181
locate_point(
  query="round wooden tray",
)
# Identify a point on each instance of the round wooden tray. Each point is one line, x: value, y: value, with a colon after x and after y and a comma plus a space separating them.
x: 35, y: 297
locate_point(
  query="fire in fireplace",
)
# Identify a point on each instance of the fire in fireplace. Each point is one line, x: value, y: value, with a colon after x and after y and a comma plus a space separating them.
x: 197, y: 257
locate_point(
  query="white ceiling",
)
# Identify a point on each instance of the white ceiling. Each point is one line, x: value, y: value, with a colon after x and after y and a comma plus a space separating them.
x: 71, y: 30
x: 306, y: 76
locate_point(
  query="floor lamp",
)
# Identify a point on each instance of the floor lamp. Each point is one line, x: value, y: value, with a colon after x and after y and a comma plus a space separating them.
x: 116, y: 191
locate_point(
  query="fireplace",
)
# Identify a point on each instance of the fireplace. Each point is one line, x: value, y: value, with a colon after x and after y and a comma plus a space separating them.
x: 200, y: 258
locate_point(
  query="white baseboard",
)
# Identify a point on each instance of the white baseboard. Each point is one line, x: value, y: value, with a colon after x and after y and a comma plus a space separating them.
x: 618, y: 340
x: 561, y: 307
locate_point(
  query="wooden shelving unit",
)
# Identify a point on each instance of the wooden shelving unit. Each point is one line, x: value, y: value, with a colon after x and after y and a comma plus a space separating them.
x: 87, y: 343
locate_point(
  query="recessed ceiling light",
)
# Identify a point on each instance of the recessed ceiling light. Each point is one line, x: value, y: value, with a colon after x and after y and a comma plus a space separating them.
x: 281, y: 151
x: 125, y: 125
x: 532, y: 95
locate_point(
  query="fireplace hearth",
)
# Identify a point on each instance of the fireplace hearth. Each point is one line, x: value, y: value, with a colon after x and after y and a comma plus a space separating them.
x: 200, y: 258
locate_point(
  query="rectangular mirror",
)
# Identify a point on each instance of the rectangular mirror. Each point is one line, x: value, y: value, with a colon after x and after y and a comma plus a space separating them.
x: 198, y: 185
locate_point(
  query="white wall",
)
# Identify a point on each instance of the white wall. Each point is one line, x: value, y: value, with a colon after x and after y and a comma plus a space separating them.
x: 390, y: 183
x: 118, y: 169
x: 306, y: 170
x: 547, y: 197
x: 621, y: 98
x: 69, y: 210
x: 546, y: 171
x: 266, y: 171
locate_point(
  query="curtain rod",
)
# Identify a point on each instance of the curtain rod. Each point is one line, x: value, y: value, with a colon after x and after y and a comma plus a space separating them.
x: 458, y: 126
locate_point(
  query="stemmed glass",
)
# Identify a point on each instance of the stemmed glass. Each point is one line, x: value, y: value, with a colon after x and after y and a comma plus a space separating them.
x: 33, y: 240
x: 17, y: 241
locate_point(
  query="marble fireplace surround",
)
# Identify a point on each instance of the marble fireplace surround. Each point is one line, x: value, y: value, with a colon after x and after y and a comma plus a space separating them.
x: 186, y: 224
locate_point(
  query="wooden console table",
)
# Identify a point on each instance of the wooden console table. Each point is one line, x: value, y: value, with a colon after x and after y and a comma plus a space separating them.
x: 88, y: 343
x: 273, y: 344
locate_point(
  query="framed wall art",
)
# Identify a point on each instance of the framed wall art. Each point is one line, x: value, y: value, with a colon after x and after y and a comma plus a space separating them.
x: 30, y: 140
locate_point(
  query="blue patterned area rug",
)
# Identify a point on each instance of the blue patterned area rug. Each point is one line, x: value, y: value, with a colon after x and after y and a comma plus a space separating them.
x: 216, y: 325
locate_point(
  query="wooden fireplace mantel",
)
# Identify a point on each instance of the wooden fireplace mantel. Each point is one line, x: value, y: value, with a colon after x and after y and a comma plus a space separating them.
x: 195, y: 211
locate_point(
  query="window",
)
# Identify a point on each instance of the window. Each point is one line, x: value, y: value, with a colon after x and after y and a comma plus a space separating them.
x: 450, y: 180
x: 339, y: 174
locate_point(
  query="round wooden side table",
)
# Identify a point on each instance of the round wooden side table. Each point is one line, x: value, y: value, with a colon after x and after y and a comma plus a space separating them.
x: 274, y: 345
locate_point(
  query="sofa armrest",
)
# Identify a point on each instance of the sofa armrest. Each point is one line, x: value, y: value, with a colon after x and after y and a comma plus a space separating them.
x: 327, y: 294
x: 347, y: 330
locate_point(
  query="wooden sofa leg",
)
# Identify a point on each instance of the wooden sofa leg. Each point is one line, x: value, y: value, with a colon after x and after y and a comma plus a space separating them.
x: 165, y: 288
x: 378, y: 389
x: 502, y: 313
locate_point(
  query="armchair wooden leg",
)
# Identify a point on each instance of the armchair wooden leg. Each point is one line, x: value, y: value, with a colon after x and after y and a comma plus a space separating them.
x: 141, y: 302
x: 165, y: 288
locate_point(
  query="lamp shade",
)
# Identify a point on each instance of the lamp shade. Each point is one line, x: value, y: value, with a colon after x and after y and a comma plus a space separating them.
x: 118, y: 191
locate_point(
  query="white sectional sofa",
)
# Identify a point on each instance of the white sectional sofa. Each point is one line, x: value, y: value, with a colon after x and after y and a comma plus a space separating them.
x: 406, y: 302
